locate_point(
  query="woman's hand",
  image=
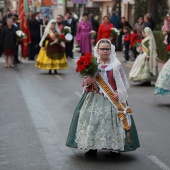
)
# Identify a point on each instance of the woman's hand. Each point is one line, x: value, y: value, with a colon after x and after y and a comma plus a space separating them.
x: 111, y: 38
x: 62, y: 44
x: 90, y: 80
x: 139, y: 49
x: 44, y: 48
x: 147, y: 58
x: 116, y: 96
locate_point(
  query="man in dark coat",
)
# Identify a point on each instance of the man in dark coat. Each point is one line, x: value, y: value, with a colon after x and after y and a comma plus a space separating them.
x: 114, y: 19
x: 94, y: 23
x: 70, y: 22
x: 16, y: 24
x: 34, y: 27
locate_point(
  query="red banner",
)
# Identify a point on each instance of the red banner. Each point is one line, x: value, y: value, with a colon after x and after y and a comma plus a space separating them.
x: 24, y: 27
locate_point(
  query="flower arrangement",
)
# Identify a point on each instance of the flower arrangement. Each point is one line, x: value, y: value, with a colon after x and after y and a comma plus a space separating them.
x: 87, y: 65
x: 138, y: 43
x: 168, y: 49
x: 61, y: 38
x: 92, y: 34
x: 115, y: 32
x: 66, y: 30
x: 20, y: 34
x: 76, y: 48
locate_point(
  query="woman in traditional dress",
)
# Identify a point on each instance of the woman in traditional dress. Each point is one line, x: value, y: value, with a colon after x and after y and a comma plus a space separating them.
x: 162, y: 86
x: 82, y: 35
x: 51, y: 55
x: 145, y: 67
x: 100, y: 120
x: 105, y: 29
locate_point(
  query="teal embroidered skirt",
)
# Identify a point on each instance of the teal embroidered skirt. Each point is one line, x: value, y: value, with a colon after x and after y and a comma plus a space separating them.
x: 95, y: 125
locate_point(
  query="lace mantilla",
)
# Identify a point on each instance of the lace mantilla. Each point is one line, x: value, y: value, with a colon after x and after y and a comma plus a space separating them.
x: 118, y: 72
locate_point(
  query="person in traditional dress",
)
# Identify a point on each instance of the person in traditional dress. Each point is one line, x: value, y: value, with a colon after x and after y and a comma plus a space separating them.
x: 145, y: 67
x: 162, y: 85
x: 51, y: 55
x: 82, y: 35
x: 102, y: 119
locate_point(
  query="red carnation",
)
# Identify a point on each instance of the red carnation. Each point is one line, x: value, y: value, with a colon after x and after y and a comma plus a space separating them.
x: 62, y: 38
x: 81, y: 68
x: 79, y: 62
x: 86, y: 62
x: 168, y: 48
x: 88, y: 55
x: 82, y: 58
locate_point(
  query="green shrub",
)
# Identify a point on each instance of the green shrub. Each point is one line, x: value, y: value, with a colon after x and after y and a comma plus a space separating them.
x: 161, y: 47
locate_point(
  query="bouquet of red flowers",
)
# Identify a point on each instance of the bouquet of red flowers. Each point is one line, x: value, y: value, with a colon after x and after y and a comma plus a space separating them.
x: 61, y: 38
x: 168, y: 49
x: 87, y: 65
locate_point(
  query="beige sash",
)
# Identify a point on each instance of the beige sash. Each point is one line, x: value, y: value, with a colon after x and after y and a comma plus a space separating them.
x: 123, y: 110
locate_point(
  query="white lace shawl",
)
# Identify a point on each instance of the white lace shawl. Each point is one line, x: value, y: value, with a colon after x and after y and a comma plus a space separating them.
x: 47, y: 30
x: 152, y: 49
x: 118, y: 72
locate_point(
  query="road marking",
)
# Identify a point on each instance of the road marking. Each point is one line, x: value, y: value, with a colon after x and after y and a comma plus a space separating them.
x: 78, y: 94
x: 4, y: 148
x: 59, y: 77
x: 158, y: 162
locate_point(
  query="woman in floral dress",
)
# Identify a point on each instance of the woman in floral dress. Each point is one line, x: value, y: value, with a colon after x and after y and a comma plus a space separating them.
x: 145, y: 67
x: 162, y: 86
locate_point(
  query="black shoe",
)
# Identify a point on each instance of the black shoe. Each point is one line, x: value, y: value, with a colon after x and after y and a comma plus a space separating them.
x: 55, y: 71
x: 113, y: 154
x: 49, y: 72
x: 91, y: 152
x: 146, y: 83
x: 133, y: 59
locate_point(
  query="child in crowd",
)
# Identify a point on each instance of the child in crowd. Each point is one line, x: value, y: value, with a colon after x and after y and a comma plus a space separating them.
x: 166, y: 29
x: 97, y: 123
x: 126, y: 42
x: 134, y: 38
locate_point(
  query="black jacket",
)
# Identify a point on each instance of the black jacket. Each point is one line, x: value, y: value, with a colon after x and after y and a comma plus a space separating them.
x: 72, y: 25
x: 8, y: 37
x: 95, y: 24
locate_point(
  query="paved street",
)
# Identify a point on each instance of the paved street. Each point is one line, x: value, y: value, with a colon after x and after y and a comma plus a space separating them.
x: 36, y: 111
